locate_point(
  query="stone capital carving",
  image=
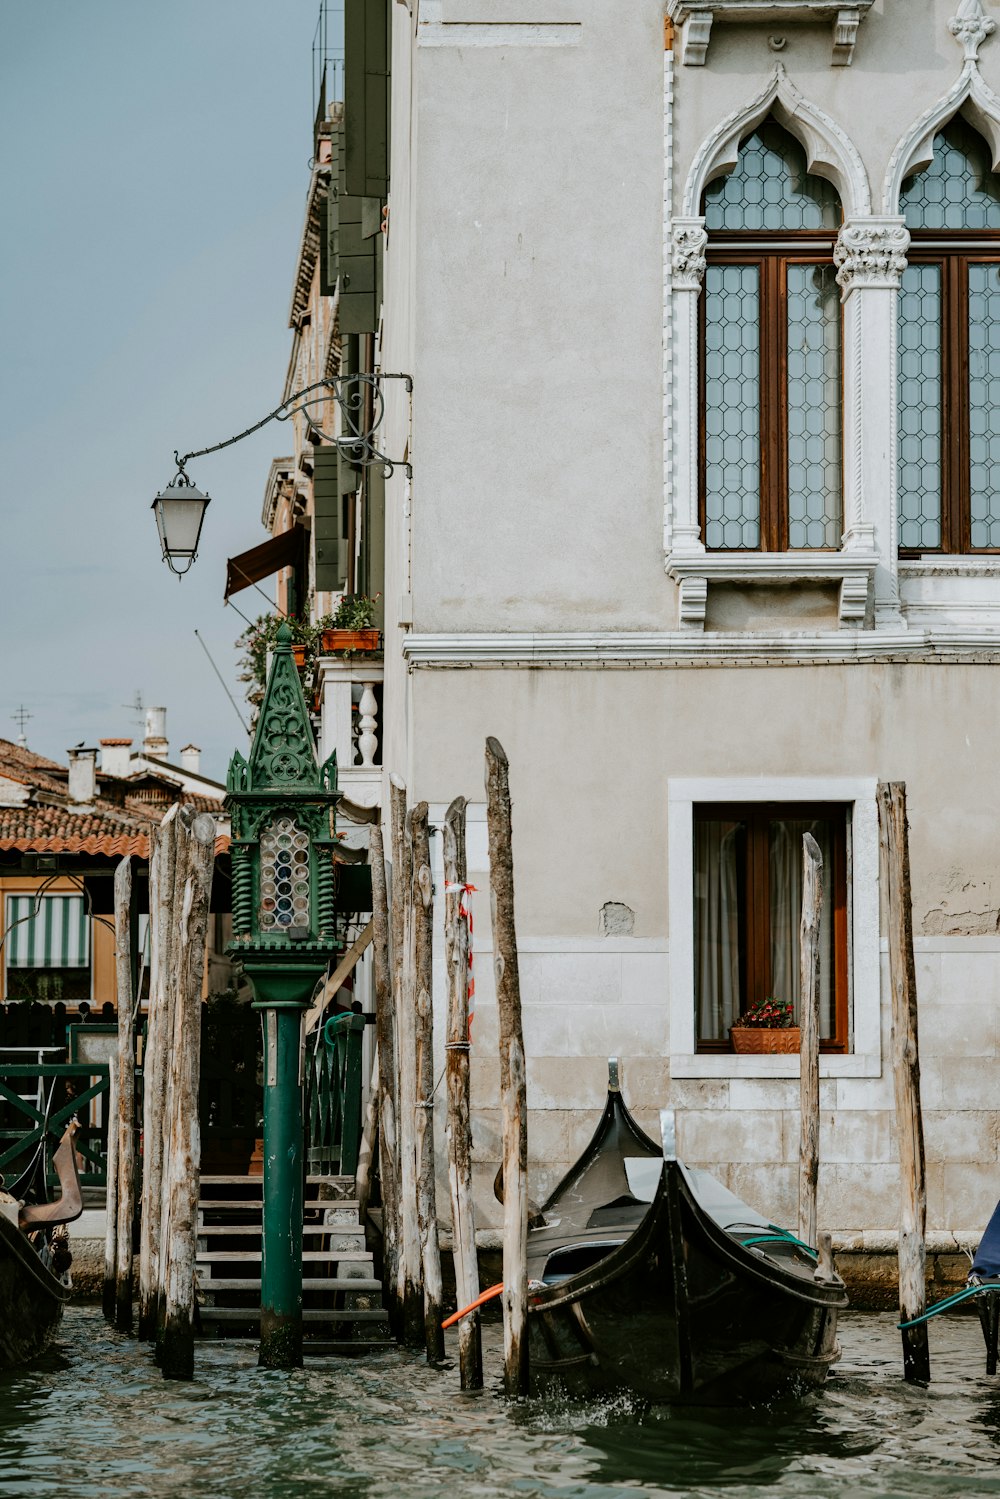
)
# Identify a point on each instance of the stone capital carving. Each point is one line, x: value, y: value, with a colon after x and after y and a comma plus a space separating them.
x: 970, y: 26
x: 871, y: 252
x: 688, y: 253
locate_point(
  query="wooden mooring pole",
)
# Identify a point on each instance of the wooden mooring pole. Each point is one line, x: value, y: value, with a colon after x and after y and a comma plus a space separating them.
x: 513, y: 1086
x: 906, y: 1077
x: 124, y: 1124
x: 423, y: 1118
x: 154, y: 1070
x: 177, y: 1348
x: 111, y: 1198
x: 409, y: 1289
x: 388, y: 1110
x: 459, y: 1130
x: 809, y: 954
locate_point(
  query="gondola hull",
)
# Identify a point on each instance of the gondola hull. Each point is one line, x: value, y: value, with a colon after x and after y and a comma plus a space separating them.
x: 679, y: 1310
x: 31, y: 1299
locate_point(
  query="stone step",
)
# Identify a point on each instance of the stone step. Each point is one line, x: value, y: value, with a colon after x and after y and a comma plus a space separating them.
x: 335, y: 1283
x: 309, y: 1256
x: 309, y: 1314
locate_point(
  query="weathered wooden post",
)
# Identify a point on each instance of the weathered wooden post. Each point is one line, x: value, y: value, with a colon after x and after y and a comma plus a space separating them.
x: 385, y: 1031
x: 124, y: 1123
x: 809, y: 955
x: 173, y: 900
x: 906, y: 1079
x: 459, y: 1134
x: 154, y: 1069
x: 410, y: 1289
x: 513, y: 1086
x: 177, y: 1338
x: 423, y: 1119
x: 111, y: 1200
x: 284, y: 933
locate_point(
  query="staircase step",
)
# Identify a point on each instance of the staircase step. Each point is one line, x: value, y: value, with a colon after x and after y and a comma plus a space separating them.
x: 312, y: 1229
x: 309, y: 1256
x: 309, y: 1314
x: 335, y: 1283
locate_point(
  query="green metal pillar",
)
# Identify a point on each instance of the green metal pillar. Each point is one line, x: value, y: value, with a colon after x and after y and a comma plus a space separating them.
x: 284, y: 933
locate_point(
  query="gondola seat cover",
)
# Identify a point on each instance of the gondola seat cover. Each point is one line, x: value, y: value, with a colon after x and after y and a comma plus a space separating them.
x: 987, y: 1261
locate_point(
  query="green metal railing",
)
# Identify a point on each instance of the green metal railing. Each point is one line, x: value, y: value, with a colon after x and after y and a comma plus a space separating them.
x: 61, y: 1089
x: 333, y: 1097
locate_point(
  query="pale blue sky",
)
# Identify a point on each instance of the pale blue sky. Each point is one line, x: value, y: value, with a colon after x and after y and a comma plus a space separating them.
x: 154, y: 161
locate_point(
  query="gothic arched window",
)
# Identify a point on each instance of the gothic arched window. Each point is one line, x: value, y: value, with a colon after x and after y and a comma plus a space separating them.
x: 949, y: 351
x: 771, y: 435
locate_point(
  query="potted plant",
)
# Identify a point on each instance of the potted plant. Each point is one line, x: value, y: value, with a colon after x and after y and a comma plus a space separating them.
x: 351, y: 627
x: 259, y: 641
x: 767, y: 1025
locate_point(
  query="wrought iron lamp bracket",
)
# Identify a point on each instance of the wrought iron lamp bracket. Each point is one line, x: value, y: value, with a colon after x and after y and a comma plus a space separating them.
x: 358, y: 439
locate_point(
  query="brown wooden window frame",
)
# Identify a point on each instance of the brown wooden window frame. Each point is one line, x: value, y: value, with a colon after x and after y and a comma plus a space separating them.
x: 772, y: 256
x: 755, y: 913
x: 933, y: 247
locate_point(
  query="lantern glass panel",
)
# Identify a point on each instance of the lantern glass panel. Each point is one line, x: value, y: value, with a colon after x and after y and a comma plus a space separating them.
x: 284, y: 876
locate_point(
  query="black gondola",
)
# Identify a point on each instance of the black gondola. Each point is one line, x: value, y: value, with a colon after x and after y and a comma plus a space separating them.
x: 650, y: 1276
x: 34, y: 1287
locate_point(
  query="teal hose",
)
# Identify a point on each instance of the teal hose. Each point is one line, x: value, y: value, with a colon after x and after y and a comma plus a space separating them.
x: 780, y: 1237
x: 943, y: 1306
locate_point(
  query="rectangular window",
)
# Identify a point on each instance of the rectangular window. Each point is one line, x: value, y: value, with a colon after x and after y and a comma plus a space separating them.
x: 747, y: 904
x: 47, y: 948
x: 772, y: 441
x: 949, y: 386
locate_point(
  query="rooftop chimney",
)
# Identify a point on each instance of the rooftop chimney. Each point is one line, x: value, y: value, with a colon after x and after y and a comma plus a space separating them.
x: 116, y: 757
x: 82, y: 776
x: 155, y: 742
x: 191, y: 759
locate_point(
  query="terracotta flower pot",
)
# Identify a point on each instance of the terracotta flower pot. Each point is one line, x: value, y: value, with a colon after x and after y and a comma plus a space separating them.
x: 299, y: 654
x: 760, y: 1039
x: 350, y: 640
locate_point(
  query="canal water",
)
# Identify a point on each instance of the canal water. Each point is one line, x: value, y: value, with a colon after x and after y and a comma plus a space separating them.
x: 94, y: 1418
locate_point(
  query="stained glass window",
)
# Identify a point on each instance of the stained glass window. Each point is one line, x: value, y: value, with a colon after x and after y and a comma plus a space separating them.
x: 772, y: 430
x: 284, y: 876
x: 948, y: 362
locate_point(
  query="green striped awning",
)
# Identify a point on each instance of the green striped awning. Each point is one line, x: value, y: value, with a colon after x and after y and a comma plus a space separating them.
x: 51, y: 931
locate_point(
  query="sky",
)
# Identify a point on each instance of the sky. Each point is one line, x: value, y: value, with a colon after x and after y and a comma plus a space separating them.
x: 154, y: 164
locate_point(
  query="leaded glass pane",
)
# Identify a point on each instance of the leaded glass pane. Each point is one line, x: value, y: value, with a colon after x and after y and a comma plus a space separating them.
x: 769, y: 188
x: 919, y: 460
x: 732, y: 407
x: 284, y: 876
x: 814, y: 436
x: 959, y: 190
x: 984, y: 398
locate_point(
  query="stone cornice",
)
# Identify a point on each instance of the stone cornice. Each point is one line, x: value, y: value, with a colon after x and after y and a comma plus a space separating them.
x: 681, y: 648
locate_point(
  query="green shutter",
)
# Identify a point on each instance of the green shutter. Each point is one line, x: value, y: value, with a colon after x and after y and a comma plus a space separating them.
x: 367, y: 45
x: 329, y: 224
x: 358, y: 309
x: 328, y: 528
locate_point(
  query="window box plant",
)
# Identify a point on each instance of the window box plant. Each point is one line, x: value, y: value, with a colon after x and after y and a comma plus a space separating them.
x: 766, y: 1027
x: 351, y: 627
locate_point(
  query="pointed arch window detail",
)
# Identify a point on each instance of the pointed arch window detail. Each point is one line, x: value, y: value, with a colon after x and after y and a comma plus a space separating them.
x: 949, y: 351
x: 771, y: 432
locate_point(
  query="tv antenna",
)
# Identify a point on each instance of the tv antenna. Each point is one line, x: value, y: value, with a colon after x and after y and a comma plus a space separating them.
x: 21, y: 717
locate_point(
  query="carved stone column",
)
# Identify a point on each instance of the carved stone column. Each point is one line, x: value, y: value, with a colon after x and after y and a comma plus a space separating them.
x: 871, y: 256
x: 688, y: 271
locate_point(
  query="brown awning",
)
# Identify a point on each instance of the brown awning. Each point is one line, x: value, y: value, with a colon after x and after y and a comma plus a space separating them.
x: 286, y: 550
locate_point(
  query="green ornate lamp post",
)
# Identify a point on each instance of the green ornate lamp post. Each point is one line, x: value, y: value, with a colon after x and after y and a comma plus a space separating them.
x: 282, y: 807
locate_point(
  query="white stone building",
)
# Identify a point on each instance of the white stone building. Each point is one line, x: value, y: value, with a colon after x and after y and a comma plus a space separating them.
x: 702, y: 314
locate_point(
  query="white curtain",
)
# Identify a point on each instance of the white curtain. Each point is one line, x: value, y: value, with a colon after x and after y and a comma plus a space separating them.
x: 717, y: 932
x: 785, y: 861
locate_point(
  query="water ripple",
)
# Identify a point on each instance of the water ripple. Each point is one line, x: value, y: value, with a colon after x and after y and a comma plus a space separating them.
x: 93, y: 1419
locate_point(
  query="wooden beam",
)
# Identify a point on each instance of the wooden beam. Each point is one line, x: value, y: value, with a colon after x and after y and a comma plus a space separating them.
x: 343, y: 970
x: 423, y: 1115
x: 513, y: 1086
x: 123, y: 1125
x: 906, y: 1078
x: 809, y: 955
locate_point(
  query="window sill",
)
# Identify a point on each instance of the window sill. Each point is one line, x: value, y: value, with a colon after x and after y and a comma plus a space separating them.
x: 695, y: 18
x: 725, y: 1065
x: 854, y: 570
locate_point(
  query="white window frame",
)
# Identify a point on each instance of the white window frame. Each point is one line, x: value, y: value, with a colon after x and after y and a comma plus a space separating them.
x: 683, y: 793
